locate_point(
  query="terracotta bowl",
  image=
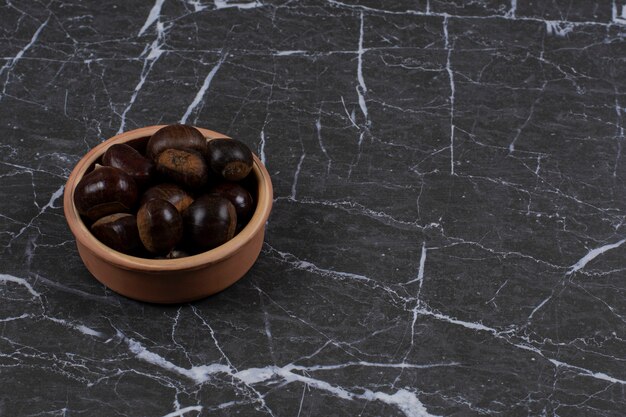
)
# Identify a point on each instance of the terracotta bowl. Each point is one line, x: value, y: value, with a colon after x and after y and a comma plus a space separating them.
x: 168, y: 280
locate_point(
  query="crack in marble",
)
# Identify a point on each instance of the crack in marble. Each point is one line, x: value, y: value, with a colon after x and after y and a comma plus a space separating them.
x: 506, y: 16
x: 294, y: 184
x: 558, y: 28
x: 30, y: 170
x: 231, y: 367
x: 422, y: 310
x: 551, y: 189
x: 500, y: 253
x: 153, y: 16
x: 212, y: 332
x: 262, y: 138
x: 150, y: 55
x: 619, y: 130
x: 318, y: 131
x: 15, y: 59
x: 50, y: 204
x: 351, y: 117
x: 512, y: 10
x: 592, y: 254
x: 225, y: 4
x: 297, y: 263
x: 41, y: 280
x: 616, y: 16
x: 449, y: 48
x: 503, y: 336
x: 329, y: 340
x: 586, y: 372
x: 181, y: 347
x: 197, y: 5
x: 268, y: 328
x: 539, y: 307
x: 198, y: 374
x: 304, y: 389
x: 80, y: 327
x: 362, y: 88
x: 183, y: 411
x: 531, y: 112
x: 353, y: 207
x: 199, y: 98
x: 20, y: 281
x: 612, y: 309
x: 420, y: 272
x: 406, y: 401
x: 493, y: 299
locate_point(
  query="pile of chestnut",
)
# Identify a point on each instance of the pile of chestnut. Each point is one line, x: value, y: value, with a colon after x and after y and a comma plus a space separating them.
x: 186, y: 195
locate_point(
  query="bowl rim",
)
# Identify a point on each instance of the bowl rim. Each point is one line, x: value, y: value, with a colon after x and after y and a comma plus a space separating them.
x: 228, y: 249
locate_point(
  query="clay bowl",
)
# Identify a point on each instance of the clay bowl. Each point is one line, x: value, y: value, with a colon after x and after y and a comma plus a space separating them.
x: 168, y: 280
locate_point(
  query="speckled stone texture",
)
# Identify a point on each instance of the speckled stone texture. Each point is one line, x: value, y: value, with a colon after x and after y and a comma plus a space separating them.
x: 448, y: 232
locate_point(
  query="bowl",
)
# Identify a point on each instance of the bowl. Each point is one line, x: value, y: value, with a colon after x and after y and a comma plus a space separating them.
x: 168, y: 280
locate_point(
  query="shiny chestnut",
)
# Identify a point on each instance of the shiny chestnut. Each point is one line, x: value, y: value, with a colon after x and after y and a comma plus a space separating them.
x: 209, y: 222
x: 239, y: 196
x: 183, y: 167
x: 160, y: 226
x: 129, y: 160
x: 229, y: 158
x: 104, y: 191
x: 119, y: 232
x: 182, y: 137
x: 169, y: 192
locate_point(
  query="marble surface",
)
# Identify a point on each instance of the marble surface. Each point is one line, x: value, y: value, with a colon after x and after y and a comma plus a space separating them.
x: 448, y: 232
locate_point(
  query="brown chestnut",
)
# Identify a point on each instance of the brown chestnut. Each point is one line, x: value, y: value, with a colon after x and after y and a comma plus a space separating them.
x: 129, y: 160
x: 239, y: 196
x: 104, y: 191
x: 119, y: 232
x: 182, y: 137
x: 169, y: 192
x: 229, y: 158
x: 209, y: 222
x: 183, y: 167
x: 160, y: 226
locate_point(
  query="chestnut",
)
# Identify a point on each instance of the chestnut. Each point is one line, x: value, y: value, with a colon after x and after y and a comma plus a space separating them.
x: 119, y: 232
x: 182, y: 137
x: 229, y: 158
x: 183, y: 167
x: 104, y: 191
x: 209, y: 222
x: 129, y: 160
x: 160, y: 226
x: 169, y: 192
x: 239, y: 196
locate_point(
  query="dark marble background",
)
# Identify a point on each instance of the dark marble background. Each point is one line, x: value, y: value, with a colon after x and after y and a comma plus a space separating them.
x: 448, y: 232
